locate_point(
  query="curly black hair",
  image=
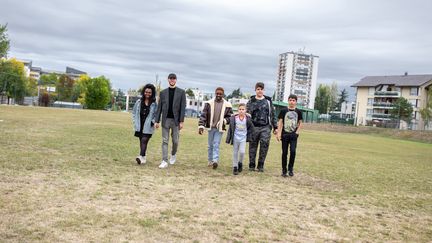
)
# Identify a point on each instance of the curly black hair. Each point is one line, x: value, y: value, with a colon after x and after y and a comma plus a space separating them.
x: 153, y: 89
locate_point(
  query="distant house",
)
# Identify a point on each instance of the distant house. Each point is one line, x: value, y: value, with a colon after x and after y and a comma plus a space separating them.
x: 377, y: 94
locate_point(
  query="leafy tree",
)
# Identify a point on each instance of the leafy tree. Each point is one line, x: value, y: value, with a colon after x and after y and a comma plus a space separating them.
x: 235, y: 94
x: 79, y: 89
x: 333, y: 96
x: 322, y: 99
x: 31, y: 89
x: 44, y: 99
x: 13, y: 81
x: 190, y: 93
x: 426, y: 113
x: 343, y: 97
x: 48, y: 79
x: 98, y: 93
x: 402, y: 110
x: 64, y: 88
x: 4, y: 41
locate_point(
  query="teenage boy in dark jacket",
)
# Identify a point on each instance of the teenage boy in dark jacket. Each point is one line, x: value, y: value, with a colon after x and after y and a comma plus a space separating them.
x: 261, y: 109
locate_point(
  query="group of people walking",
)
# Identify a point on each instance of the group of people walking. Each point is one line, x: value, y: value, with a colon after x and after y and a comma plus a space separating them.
x: 254, y: 123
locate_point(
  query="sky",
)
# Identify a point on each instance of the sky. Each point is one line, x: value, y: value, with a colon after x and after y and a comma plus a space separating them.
x: 227, y: 43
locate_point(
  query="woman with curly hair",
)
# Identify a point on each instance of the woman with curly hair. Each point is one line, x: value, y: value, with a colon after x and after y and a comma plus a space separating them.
x: 143, y: 117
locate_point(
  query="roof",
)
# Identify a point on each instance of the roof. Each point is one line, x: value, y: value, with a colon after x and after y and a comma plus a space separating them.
x: 397, y: 80
x: 70, y: 70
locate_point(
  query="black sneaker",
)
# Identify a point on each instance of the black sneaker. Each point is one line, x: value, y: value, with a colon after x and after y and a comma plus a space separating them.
x: 290, y: 173
x: 284, y: 174
x: 235, y: 171
x: 260, y: 169
x: 215, y: 165
x: 240, y: 167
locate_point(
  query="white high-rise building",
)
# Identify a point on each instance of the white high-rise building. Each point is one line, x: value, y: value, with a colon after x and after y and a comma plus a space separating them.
x: 297, y: 74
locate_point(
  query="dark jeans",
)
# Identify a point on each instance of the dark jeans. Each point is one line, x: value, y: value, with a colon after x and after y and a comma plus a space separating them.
x: 144, y: 139
x: 261, y: 137
x: 289, y: 139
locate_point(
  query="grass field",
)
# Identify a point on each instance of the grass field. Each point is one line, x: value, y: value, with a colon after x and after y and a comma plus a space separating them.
x: 70, y: 175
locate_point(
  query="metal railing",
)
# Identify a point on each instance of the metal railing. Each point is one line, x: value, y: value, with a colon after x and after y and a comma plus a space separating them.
x: 381, y: 104
x: 380, y: 115
x: 387, y: 93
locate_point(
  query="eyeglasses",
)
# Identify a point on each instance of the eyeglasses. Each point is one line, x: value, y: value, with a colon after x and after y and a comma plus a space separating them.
x: 219, y: 93
x: 172, y: 78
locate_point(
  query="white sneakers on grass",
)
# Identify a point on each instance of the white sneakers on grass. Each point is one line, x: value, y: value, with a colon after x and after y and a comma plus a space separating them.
x: 141, y: 159
x: 164, y: 164
x: 172, y: 159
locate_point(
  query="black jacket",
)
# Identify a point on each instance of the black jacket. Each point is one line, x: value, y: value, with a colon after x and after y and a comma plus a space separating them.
x: 207, y: 115
x: 254, y: 110
x: 231, y: 129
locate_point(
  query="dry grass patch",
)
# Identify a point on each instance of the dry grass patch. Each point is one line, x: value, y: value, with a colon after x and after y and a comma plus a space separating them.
x: 71, y: 176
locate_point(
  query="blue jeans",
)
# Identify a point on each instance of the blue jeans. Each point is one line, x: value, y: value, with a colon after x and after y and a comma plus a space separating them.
x: 214, y: 139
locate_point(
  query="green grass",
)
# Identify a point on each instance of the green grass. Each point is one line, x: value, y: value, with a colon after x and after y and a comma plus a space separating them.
x: 70, y: 175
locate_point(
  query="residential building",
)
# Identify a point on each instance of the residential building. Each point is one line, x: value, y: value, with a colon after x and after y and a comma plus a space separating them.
x: 74, y: 73
x: 376, y: 95
x: 297, y: 74
x: 195, y: 103
x: 35, y: 73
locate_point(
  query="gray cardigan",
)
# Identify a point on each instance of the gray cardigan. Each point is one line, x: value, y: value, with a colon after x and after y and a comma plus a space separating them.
x: 150, y: 120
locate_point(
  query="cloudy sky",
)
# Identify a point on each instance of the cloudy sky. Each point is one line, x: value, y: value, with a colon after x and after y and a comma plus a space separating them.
x: 228, y: 43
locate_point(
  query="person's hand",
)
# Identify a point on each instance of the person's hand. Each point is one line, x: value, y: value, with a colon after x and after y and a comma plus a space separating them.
x: 181, y: 125
x: 278, y: 137
x: 200, y: 131
x: 275, y: 132
x: 156, y: 125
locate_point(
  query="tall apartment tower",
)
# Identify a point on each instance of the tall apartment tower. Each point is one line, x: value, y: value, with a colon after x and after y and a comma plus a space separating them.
x: 297, y: 74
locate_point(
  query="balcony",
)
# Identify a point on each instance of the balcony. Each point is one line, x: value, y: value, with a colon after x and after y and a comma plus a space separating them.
x: 381, y: 116
x: 383, y: 105
x: 387, y: 93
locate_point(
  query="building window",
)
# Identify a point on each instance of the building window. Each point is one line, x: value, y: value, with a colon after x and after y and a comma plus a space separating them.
x: 370, y: 101
x: 190, y: 102
x: 414, y: 91
x: 371, y: 90
x: 196, y: 103
x: 369, y: 112
x: 413, y: 102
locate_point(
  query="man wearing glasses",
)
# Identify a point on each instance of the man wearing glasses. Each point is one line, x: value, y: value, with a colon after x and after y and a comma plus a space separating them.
x: 214, y: 117
x: 172, y: 105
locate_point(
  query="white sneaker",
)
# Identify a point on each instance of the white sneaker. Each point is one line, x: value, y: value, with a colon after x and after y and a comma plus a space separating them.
x: 138, y: 159
x: 163, y: 164
x: 141, y: 159
x: 172, y: 159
